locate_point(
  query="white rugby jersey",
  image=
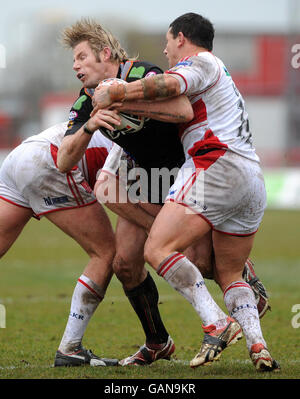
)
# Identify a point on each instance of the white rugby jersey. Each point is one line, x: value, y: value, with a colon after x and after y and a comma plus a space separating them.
x: 95, y: 154
x: 220, y: 120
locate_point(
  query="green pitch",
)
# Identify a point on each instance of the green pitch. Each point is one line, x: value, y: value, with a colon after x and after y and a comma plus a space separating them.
x: 38, y: 276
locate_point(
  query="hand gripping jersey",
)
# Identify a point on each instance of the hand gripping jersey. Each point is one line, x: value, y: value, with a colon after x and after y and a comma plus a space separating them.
x: 156, y: 145
x: 220, y: 120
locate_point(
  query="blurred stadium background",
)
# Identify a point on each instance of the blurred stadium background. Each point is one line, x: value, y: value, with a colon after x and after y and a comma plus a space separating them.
x: 259, y: 42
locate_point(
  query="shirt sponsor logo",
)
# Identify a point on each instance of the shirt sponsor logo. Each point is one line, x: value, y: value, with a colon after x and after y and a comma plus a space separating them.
x: 137, y: 72
x: 241, y: 307
x: 50, y: 201
x: 76, y: 316
x: 151, y: 73
x: 181, y: 64
x: 70, y: 125
x: 198, y: 203
x: 184, y: 63
x: 73, y: 115
x: 78, y: 104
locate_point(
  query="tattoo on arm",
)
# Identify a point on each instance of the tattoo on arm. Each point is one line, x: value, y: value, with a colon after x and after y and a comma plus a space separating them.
x: 158, y: 114
x: 156, y: 87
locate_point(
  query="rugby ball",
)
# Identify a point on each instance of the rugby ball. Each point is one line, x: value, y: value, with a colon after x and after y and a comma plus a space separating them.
x: 129, y: 123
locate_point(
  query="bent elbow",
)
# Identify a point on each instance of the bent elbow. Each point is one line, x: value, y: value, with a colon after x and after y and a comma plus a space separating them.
x: 100, y: 195
x: 63, y: 169
x: 61, y: 165
x: 186, y: 116
x: 190, y: 114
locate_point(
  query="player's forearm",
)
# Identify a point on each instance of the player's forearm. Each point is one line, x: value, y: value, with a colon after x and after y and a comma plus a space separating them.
x: 71, y: 150
x: 173, y: 110
x: 110, y: 191
x: 151, y: 88
x: 132, y: 212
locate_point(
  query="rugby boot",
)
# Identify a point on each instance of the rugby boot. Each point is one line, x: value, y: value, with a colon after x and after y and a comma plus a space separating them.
x: 257, y: 287
x: 262, y: 359
x: 215, y: 341
x: 145, y: 355
x: 82, y: 357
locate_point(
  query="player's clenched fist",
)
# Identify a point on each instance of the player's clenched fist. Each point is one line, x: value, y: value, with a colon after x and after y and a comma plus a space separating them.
x: 104, y: 118
x: 106, y: 96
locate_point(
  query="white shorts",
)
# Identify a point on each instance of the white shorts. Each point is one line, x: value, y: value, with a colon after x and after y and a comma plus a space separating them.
x: 30, y: 178
x: 227, y: 190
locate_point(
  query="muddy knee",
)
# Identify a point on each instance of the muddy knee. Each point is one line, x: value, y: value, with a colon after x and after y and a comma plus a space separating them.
x: 206, y: 270
x: 129, y: 273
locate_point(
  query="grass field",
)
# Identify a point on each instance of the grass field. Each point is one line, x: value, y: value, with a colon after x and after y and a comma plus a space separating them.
x: 38, y: 276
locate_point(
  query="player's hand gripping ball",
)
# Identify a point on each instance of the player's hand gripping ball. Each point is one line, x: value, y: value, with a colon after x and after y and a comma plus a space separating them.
x: 129, y: 123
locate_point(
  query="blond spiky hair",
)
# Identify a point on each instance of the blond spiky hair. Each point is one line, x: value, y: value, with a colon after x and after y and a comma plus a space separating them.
x: 89, y: 30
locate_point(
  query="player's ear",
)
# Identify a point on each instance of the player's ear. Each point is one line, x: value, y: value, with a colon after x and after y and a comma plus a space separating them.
x: 105, y: 54
x: 180, y: 39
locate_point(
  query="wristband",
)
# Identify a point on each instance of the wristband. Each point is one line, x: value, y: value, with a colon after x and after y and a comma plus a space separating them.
x: 87, y: 130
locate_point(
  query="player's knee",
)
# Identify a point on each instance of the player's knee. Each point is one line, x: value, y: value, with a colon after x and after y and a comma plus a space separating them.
x: 203, y: 260
x: 206, y: 270
x: 204, y: 265
x: 121, y: 268
x: 130, y: 273
x: 104, y: 252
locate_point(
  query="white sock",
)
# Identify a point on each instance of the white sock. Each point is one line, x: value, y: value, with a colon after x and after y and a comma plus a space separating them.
x: 240, y: 302
x: 86, y: 297
x: 182, y: 275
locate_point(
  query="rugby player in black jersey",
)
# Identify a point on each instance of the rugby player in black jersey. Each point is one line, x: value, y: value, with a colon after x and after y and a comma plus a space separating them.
x: 97, y: 56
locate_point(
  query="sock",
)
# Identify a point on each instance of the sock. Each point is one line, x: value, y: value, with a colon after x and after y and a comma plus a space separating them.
x: 240, y: 302
x: 184, y: 276
x: 86, y: 297
x: 144, y: 300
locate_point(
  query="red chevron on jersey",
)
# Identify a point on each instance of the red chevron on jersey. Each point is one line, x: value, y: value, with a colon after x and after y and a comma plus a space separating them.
x: 218, y: 106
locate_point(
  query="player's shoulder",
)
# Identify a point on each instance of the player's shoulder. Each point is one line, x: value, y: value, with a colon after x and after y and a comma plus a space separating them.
x: 84, y: 98
x: 207, y: 61
x: 201, y: 59
x: 205, y: 64
x: 141, y: 69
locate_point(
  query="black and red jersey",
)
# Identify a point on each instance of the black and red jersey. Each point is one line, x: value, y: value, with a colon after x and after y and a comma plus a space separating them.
x: 156, y: 145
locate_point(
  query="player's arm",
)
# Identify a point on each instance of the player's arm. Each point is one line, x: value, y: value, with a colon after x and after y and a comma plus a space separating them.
x: 73, y: 146
x: 119, y: 203
x: 172, y: 110
x: 111, y: 191
x: 151, y: 88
